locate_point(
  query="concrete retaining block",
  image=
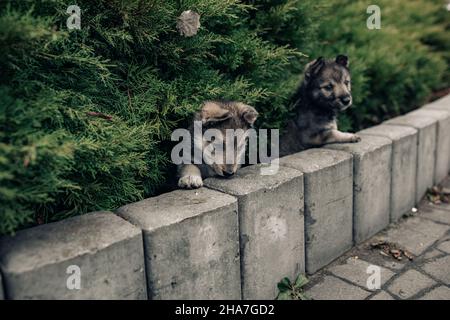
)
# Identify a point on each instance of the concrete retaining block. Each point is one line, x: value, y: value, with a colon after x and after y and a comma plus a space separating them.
x: 102, y: 251
x: 371, y: 184
x: 328, y: 192
x: 440, y: 104
x: 442, y: 165
x: 426, y: 149
x: 404, y: 166
x: 271, y: 226
x: 191, y: 244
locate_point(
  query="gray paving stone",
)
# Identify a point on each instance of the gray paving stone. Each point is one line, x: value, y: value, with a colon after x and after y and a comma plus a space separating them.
x: 442, y: 166
x: 445, y: 246
x: 416, y: 234
x: 410, y: 283
x: 439, y: 293
x: 382, y: 295
x: 191, y: 244
x: 434, y: 213
x: 271, y: 223
x: 394, y: 265
x: 404, y: 166
x: 439, y: 269
x: 426, y: 149
x: 443, y: 206
x: 332, y: 288
x: 431, y: 254
x: 355, y: 270
x: 371, y: 184
x: 37, y: 263
x: 328, y: 203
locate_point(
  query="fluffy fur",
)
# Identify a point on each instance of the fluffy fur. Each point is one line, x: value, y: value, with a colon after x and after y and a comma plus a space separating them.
x: 220, y: 115
x: 324, y: 92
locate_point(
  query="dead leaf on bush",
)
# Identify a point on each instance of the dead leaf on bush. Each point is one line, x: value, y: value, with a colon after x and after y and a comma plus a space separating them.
x: 99, y: 115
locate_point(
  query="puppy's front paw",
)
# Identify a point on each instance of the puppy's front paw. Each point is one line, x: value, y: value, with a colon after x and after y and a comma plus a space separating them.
x: 190, y: 182
x: 355, y: 138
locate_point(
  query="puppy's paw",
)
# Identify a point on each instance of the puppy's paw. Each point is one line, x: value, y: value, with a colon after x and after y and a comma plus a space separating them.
x: 190, y: 182
x: 355, y: 138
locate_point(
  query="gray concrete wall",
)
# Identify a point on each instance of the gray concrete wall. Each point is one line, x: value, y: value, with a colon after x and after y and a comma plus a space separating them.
x: 236, y: 238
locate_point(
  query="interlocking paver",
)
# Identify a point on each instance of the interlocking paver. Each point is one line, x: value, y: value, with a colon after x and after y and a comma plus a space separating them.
x: 439, y: 293
x: 435, y: 213
x: 439, y: 268
x: 431, y: 254
x: 426, y: 276
x: 382, y: 295
x: 332, y: 288
x: 416, y: 234
x: 356, y: 271
x: 410, y: 283
x: 445, y: 246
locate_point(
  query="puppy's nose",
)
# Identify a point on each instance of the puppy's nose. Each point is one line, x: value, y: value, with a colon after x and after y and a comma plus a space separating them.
x: 346, y: 100
x: 228, y: 174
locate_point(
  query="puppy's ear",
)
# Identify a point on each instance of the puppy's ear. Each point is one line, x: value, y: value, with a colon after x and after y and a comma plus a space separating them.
x: 248, y: 113
x: 342, y: 60
x: 213, y: 112
x: 314, y: 68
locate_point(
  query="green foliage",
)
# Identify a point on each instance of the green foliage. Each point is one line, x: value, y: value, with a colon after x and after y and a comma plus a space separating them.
x: 292, y: 291
x: 395, y: 68
x: 86, y: 115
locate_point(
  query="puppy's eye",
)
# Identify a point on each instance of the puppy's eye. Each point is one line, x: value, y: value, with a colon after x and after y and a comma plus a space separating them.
x: 329, y: 87
x: 347, y: 82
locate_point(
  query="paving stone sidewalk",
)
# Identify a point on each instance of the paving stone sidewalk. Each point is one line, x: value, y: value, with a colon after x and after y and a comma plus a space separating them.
x: 424, y: 235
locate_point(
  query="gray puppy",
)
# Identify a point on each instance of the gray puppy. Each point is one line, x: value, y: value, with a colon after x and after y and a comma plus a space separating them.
x: 324, y: 92
x: 221, y: 116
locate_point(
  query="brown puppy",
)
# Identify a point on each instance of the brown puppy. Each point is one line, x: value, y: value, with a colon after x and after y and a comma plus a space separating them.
x: 219, y: 115
x: 324, y: 92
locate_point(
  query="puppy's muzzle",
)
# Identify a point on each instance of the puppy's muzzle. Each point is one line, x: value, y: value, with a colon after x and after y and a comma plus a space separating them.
x: 346, y: 100
x: 228, y: 174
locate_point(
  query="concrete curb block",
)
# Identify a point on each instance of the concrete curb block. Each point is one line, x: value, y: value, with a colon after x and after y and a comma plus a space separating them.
x: 426, y: 148
x: 371, y: 184
x: 328, y: 203
x: 404, y: 166
x: 442, y: 165
x: 101, y: 250
x: 191, y: 244
x: 440, y: 104
x: 271, y: 226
